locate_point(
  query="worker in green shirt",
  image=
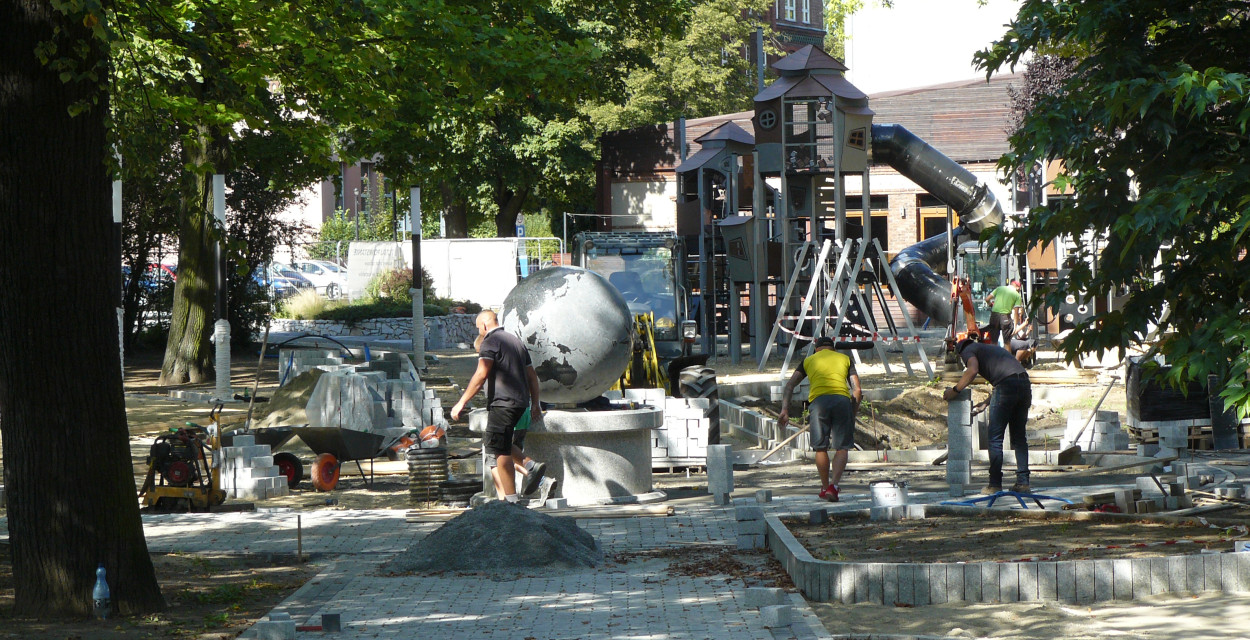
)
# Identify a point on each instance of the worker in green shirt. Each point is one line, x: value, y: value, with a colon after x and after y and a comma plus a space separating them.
x: 1002, y: 300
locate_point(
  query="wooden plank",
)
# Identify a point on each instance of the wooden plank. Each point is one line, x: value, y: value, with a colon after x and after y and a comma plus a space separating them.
x: 1121, y: 467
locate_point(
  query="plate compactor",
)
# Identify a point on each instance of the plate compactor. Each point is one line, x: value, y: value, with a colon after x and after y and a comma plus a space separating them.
x: 181, y: 475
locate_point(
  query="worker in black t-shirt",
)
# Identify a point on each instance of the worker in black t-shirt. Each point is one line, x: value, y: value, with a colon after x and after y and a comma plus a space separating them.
x: 504, y: 368
x: 1009, y: 406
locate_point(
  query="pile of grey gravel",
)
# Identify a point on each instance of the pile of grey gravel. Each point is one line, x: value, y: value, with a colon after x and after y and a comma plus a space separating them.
x: 501, y: 537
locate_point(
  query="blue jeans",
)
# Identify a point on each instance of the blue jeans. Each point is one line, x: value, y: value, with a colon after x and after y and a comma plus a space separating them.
x: 1009, y: 408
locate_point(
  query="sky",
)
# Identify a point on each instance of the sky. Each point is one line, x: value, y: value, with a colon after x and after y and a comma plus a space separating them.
x: 918, y: 43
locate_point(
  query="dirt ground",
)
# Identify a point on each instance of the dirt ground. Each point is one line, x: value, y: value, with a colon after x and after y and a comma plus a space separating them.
x: 207, y: 597
x: 947, y: 538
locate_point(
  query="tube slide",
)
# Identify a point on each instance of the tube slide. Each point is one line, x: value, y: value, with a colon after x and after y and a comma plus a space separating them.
x: 917, y: 267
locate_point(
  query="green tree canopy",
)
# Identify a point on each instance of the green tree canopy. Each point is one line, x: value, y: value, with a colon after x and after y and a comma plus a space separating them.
x: 1151, y: 129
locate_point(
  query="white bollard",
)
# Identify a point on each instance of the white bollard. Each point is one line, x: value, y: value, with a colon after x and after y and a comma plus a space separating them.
x: 221, y: 342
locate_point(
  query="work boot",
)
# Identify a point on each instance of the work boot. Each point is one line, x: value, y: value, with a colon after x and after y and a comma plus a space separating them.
x: 991, y: 489
x: 532, y: 477
x: 1021, y: 487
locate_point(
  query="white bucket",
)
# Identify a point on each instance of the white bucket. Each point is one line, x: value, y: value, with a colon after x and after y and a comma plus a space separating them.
x: 887, y: 493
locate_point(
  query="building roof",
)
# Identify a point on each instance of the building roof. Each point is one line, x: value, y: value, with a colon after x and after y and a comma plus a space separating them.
x: 806, y: 59
x: 965, y: 120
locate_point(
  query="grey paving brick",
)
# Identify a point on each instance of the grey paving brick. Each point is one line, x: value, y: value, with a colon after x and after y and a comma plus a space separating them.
x: 1084, y: 582
x: 1141, y: 577
x: 989, y: 582
x: 1104, y: 580
x: 1242, y: 560
x: 1230, y: 580
x: 971, y: 582
x: 1178, y: 578
x: 1028, y: 580
x: 862, y: 579
x: 827, y: 581
x: 1159, y: 576
x: 955, y: 583
x: 1009, y: 582
x: 1122, y: 579
x: 906, y: 584
x: 1195, y: 573
x: 1065, y: 581
x: 1047, y: 581
x: 1214, y: 576
x: 875, y: 587
x: 889, y: 583
x: 846, y: 583
x: 920, y: 575
x: 937, y: 583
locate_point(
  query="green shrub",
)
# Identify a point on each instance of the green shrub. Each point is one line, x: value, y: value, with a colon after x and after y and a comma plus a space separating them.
x: 365, y: 310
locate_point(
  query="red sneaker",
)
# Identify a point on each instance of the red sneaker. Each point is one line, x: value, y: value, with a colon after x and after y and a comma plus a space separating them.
x: 829, y: 493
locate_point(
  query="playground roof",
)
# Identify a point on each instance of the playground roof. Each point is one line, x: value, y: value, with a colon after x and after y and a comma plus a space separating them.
x: 807, y: 59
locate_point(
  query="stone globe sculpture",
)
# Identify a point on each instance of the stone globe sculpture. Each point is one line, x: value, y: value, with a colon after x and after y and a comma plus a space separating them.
x: 578, y: 330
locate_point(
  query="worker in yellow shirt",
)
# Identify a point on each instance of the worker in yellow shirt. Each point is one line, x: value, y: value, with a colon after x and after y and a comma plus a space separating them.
x: 833, y: 400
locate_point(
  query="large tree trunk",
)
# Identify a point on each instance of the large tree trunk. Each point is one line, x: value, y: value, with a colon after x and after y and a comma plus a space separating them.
x: 67, y: 470
x: 509, y: 204
x: 188, y: 352
x: 457, y: 218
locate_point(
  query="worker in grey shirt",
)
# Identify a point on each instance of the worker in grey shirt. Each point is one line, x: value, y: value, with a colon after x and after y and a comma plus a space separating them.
x: 1009, y: 406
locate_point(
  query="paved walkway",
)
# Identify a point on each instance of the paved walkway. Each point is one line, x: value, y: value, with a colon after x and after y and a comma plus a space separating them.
x: 634, y: 599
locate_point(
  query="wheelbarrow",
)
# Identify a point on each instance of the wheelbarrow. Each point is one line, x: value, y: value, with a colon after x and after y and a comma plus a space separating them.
x: 333, y: 446
x: 288, y: 463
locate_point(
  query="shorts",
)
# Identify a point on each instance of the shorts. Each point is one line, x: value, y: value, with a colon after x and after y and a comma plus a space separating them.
x: 1018, y: 344
x: 832, y: 425
x: 500, y: 429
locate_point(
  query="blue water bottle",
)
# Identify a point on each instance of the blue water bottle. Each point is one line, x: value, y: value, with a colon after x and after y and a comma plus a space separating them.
x: 102, y: 604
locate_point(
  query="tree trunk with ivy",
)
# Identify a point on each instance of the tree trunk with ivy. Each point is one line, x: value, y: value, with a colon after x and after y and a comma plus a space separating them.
x: 188, y: 351
x: 69, y: 484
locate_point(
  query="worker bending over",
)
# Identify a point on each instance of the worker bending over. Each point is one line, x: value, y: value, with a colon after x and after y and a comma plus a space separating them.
x: 1009, y: 406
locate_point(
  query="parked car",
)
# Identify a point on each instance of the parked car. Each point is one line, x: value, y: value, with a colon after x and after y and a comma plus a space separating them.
x: 278, y: 286
x: 330, y: 279
x: 277, y: 270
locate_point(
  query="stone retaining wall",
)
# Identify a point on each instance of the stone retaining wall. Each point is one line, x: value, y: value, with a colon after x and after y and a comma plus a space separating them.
x: 1070, y: 581
x: 440, y: 331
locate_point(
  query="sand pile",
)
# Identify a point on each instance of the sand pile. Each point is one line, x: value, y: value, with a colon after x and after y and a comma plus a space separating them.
x: 286, y: 405
x: 501, y: 537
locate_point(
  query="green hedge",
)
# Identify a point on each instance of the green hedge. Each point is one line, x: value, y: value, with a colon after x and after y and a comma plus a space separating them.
x: 384, y: 308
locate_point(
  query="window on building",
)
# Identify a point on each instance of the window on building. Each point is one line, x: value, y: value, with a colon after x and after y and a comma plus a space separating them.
x: 790, y: 10
x: 807, y: 11
x: 932, y: 221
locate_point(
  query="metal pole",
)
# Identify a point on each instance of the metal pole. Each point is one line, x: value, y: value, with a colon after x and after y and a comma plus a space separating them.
x: 117, y: 244
x: 219, y: 212
x: 564, y: 239
x: 418, y: 295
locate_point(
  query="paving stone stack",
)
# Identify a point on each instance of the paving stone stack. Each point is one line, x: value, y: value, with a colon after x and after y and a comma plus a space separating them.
x: 720, y: 472
x: 749, y: 518
x: 248, y: 471
x: 292, y: 362
x: 959, y: 443
x: 683, y: 437
x: 383, y: 396
x: 1104, y: 434
x: 774, y: 605
x: 1173, y: 437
